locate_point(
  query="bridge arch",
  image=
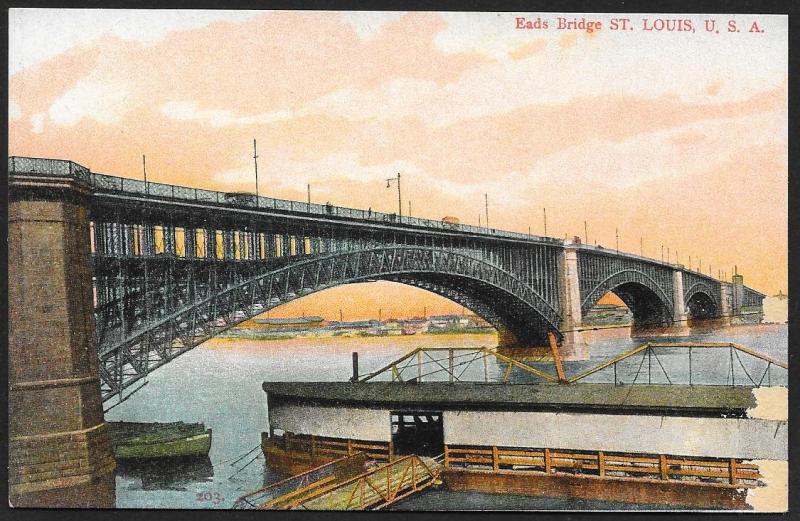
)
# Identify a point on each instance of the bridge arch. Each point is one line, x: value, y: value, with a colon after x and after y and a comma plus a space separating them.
x: 702, y: 302
x: 645, y: 298
x: 497, y: 295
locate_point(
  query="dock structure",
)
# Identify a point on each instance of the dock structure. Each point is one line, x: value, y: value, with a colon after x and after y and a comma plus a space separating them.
x: 675, y: 443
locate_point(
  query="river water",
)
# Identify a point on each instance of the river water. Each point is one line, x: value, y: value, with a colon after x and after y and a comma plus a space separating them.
x: 219, y: 384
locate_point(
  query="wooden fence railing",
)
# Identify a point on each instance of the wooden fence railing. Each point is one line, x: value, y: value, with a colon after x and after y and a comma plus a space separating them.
x: 715, y: 471
x: 324, y: 445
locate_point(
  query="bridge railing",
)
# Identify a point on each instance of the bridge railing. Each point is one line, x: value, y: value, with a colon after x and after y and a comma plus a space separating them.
x: 124, y: 185
x: 49, y: 167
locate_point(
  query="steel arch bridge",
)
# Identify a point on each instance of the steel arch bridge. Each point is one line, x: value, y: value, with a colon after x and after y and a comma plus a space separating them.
x: 173, y: 266
x: 475, y: 283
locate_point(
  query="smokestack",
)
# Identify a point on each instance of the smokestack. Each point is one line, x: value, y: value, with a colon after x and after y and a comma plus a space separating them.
x: 355, y: 367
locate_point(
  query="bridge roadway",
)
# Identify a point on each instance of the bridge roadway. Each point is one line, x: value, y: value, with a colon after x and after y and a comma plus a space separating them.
x: 173, y: 266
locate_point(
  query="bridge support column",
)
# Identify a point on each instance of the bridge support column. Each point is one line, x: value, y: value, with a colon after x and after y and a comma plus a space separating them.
x: 573, y: 345
x: 726, y: 302
x: 680, y: 318
x: 59, y: 447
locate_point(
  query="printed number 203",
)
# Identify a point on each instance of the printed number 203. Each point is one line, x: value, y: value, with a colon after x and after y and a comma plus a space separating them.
x: 213, y: 497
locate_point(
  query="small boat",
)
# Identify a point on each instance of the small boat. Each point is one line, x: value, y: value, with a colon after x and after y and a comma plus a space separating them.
x: 133, y: 440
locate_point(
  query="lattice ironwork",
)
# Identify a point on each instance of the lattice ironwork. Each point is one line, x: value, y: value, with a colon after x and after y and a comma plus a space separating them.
x: 600, y: 273
x: 124, y: 362
x: 752, y: 298
x: 694, y: 283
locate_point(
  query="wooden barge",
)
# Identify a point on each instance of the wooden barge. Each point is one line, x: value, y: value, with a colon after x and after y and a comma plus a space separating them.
x: 679, y: 445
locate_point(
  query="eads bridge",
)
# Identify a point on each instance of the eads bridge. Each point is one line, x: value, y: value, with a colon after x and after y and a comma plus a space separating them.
x: 163, y: 268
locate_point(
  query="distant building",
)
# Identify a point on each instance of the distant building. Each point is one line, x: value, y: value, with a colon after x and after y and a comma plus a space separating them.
x: 448, y: 321
x: 290, y: 324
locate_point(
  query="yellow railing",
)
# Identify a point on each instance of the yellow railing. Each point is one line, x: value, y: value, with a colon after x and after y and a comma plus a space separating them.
x: 376, y: 488
x: 679, y: 345
x: 466, y: 357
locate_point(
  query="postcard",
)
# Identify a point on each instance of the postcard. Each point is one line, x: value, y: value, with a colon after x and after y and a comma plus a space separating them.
x: 416, y: 261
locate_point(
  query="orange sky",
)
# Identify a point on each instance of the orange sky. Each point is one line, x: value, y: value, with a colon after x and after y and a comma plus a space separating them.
x: 677, y: 138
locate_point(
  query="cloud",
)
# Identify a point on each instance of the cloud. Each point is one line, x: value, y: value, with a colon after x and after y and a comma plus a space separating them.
x: 14, y: 110
x: 367, y: 24
x: 90, y: 98
x: 670, y: 153
x: 189, y: 111
x: 37, y: 123
x: 36, y: 35
x: 326, y: 172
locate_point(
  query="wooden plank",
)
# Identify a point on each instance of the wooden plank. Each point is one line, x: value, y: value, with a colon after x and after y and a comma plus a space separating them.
x: 700, y: 463
x: 547, y: 464
x: 699, y: 473
x: 663, y: 466
x: 556, y: 357
x: 634, y: 459
x: 531, y: 453
x: 567, y: 455
x: 538, y: 462
x: 643, y: 470
x: 601, y: 464
x: 495, y: 464
x: 455, y: 450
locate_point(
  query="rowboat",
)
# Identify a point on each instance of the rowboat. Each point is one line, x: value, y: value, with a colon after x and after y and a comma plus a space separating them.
x: 133, y: 440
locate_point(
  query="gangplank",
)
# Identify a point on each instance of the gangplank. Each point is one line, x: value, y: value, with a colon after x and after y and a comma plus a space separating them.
x: 339, y: 486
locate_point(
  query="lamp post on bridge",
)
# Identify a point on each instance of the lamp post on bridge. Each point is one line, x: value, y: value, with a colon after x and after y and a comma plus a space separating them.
x: 144, y: 171
x: 486, y: 206
x: 545, y: 221
x: 399, y: 194
x: 255, y: 167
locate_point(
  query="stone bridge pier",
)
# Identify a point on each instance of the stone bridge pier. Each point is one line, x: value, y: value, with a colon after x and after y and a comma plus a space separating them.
x: 59, y: 448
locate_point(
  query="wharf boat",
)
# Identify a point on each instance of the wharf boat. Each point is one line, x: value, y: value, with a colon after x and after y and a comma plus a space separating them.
x: 674, y: 444
x: 138, y: 441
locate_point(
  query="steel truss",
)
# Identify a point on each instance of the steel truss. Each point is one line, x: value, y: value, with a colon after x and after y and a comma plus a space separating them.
x: 220, y: 306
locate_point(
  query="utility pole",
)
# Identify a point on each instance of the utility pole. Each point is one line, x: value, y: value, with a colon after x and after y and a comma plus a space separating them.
x: 486, y: 204
x: 662, y: 253
x: 545, y: 221
x: 308, y: 191
x: 399, y: 195
x: 144, y: 170
x: 641, y: 246
x: 255, y: 167
x: 409, y: 208
x: 380, y: 315
x: 616, y: 232
x: 341, y: 317
x: 586, y: 232
x: 479, y: 220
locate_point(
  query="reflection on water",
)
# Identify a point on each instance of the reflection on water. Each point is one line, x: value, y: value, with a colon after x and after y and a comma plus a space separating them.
x: 171, y: 474
x: 219, y: 384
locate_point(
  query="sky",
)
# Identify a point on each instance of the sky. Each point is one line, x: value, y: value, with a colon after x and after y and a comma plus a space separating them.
x: 673, y: 138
